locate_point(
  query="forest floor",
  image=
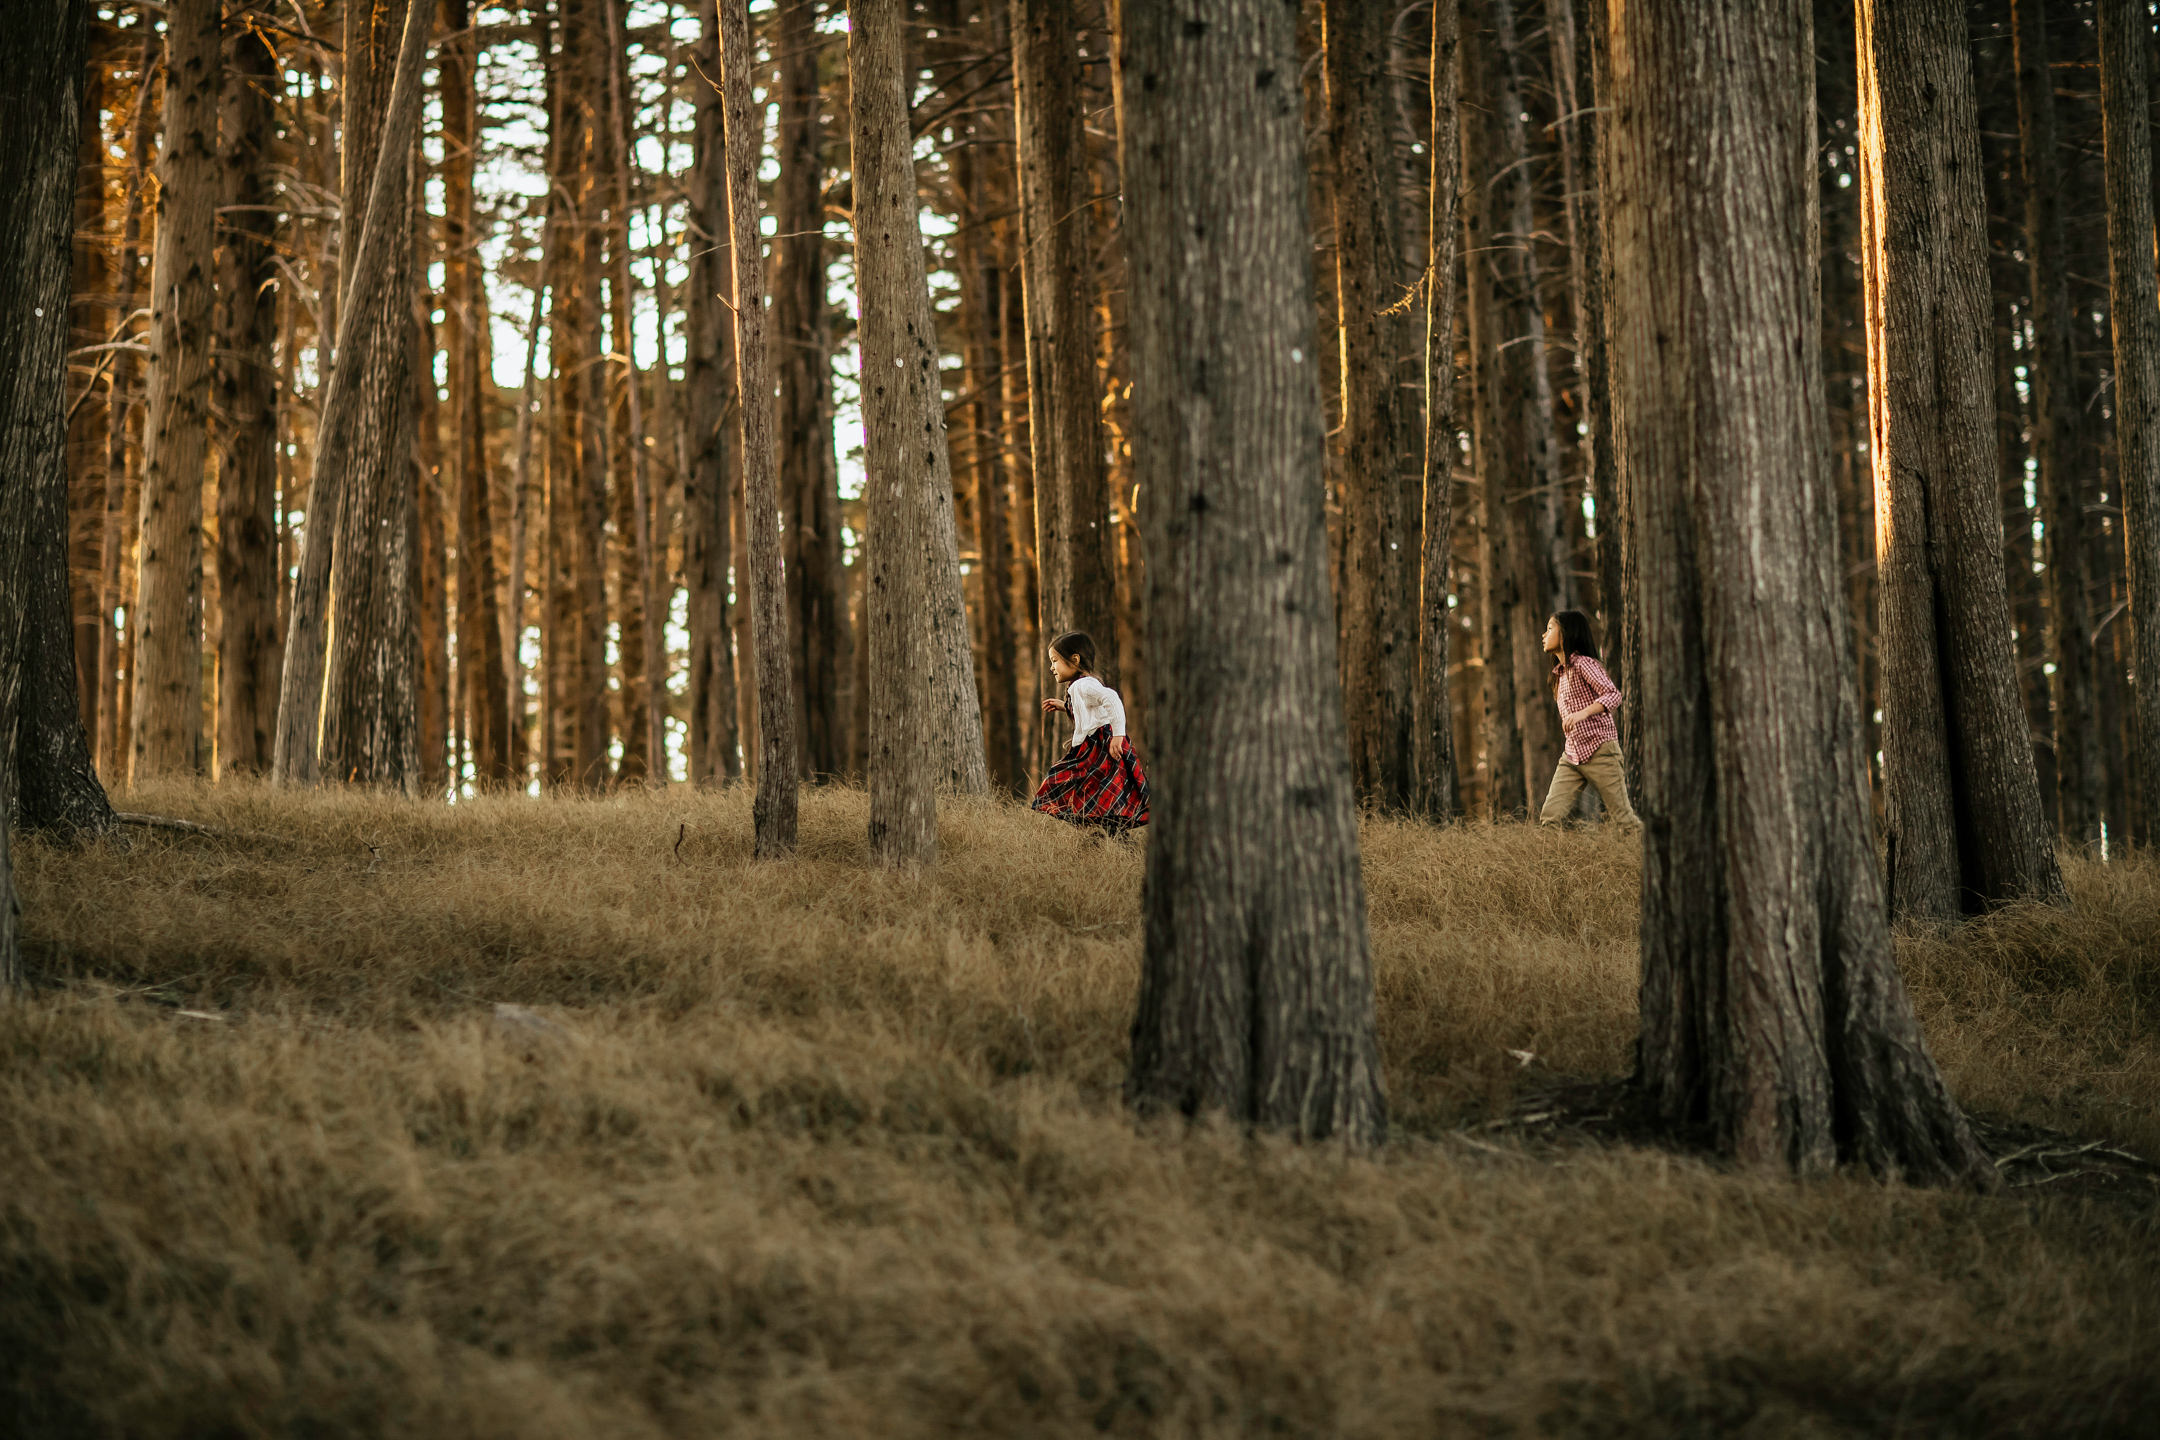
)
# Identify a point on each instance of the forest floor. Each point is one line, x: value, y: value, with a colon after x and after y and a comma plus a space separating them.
x: 564, y: 1119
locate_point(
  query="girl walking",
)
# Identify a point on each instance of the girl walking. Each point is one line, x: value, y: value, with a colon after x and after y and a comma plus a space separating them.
x: 1099, y: 783
x: 1588, y: 702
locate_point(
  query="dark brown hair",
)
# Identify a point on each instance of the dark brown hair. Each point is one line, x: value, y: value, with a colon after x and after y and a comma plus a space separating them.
x: 1076, y: 646
x: 1576, y: 641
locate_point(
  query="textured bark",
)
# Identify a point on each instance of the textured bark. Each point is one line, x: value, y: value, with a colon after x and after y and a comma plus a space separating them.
x: 250, y: 645
x: 482, y: 675
x: 1961, y: 797
x: 715, y: 735
x: 167, y: 678
x: 89, y: 394
x: 1256, y: 993
x: 2059, y: 448
x: 428, y: 577
x: 2134, y: 307
x: 1057, y: 269
x: 1502, y: 300
x: 1433, y: 727
x: 809, y: 476
x: 1380, y: 424
x: 1772, y: 1011
x: 773, y: 811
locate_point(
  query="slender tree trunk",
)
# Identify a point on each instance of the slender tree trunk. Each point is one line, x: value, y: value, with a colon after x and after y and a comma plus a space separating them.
x: 1436, y: 797
x: 2058, y: 437
x: 91, y: 322
x: 1381, y: 444
x: 167, y: 677
x: 1772, y: 1008
x: 1072, y: 494
x: 2134, y: 305
x: 715, y: 734
x: 523, y: 487
x: 1256, y: 993
x: 428, y: 579
x: 773, y: 811
x: 1961, y: 797
x: 250, y: 645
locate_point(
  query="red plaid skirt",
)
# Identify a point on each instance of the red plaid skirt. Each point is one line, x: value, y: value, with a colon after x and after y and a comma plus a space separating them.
x: 1090, y: 786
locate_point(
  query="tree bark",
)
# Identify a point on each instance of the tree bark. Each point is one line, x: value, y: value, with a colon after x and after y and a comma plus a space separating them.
x: 1437, y: 798
x: 809, y: 476
x: 167, y: 679
x: 715, y: 734
x: 1772, y: 1010
x: 773, y: 811
x: 2126, y: 31
x: 1256, y: 993
x: 91, y: 322
x: 1961, y: 796
x: 2058, y: 438
x: 1057, y: 271
x: 481, y: 669
x: 250, y: 645
x: 1381, y: 444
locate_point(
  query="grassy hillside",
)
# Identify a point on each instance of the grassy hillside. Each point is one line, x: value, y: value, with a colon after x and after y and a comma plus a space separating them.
x: 808, y: 1149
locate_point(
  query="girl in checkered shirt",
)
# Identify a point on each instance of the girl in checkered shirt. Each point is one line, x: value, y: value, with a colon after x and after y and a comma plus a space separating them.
x: 1589, y: 706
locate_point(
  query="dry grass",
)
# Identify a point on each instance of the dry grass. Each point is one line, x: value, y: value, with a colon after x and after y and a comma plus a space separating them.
x: 816, y: 1150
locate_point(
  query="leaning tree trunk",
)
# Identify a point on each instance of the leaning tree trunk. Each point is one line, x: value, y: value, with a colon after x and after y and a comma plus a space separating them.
x: 1961, y: 796
x: 2058, y: 442
x: 1256, y: 993
x: 167, y: 682
x: 773, y: 812
x: 2134, y: 306
x: 1380, y: 423
x: 1436, y: 797
x: 249, y: 643
x: 809, y: 478
x: 1057, y: 272
x: 1772, y: 1010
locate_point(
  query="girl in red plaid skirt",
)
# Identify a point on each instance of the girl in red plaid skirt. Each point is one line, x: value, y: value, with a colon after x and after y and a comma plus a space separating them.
x: 1099, y: 783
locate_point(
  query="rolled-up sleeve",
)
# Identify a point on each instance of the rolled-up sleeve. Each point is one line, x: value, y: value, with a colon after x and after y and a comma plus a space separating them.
x: 1601, y: 685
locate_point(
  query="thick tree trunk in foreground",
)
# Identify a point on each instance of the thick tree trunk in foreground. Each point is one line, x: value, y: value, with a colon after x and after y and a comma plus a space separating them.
x: 1772, y: 1010
x: 1256, y: 992
x: 1437, y: 798
x: 715, y: 734
x: 2134, y: 306
x: 1057, y: 270
x: 167, y: 711
x: 1380, y: 423
x: 770, y: 670
x: 2059, y: 449
x: 250, y: 646
x: 1961, y: 796
x: 809, y: 475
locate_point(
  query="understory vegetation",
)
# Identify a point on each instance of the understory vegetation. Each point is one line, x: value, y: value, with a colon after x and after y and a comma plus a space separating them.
x: 362, y: 1118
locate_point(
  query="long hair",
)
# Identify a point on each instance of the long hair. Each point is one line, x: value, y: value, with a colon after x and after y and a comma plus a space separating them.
x: 1575, y: 637
x: 1077, y: 647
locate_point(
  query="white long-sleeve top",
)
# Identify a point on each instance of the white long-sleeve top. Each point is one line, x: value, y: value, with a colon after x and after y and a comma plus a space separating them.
x: 1091, y: 703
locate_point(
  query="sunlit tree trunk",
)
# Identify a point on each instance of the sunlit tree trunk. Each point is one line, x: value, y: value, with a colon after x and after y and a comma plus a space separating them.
x: 167, y: 679
x: 1961, y: 797
x: 91, y: 323
x: 1772, y: 1009
x: 1256, y: 994
x: 1436, y: 797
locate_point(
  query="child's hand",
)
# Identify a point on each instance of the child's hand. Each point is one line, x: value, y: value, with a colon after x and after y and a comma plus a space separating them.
x: 1052, y: 705
x: 1119, y: 745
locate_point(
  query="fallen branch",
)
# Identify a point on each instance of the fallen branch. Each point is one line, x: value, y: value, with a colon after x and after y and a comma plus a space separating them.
x: 189, y: 827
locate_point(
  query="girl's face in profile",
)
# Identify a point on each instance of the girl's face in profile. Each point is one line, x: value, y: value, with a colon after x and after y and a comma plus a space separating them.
x: 1552, y: 635
x: 1063, y: 668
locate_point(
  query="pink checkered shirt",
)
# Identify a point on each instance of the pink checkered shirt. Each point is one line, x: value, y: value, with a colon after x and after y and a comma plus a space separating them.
x: 1581, y: 681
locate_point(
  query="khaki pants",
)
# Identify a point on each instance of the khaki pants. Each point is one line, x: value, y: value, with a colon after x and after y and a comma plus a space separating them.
x: 1602, y: 769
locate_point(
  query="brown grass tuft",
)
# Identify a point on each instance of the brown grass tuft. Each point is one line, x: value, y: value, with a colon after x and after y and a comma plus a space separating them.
x: 814, y: 1149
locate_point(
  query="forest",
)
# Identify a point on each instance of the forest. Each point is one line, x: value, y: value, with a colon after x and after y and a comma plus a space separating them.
x: 531, y: 541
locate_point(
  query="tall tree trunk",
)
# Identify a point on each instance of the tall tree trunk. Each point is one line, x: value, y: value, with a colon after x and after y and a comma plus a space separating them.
x: 1256, y: 993
x: 91, y: 323
x: 809, y: 476
x: 1381, y: 521
x: 1072, y: 494
x: 167, y: 678
x: 2058, y: 437
x: 2126, y: 32
x: 1961, y: 797
x: 1772, y: 1008
x: 1437, y: 797
x: 428, y: 578
x: 715, y: 732
x: 773, y: 812
x: 481, y: 669
x: 250, y: 645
